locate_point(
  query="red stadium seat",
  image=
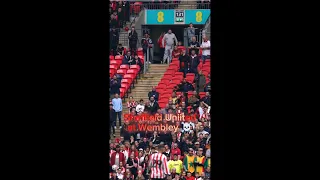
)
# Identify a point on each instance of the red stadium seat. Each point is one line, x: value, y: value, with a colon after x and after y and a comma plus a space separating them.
x: 202, y: 94
x: 112, y: 66
x: 126, y: 86
x: 205, y: 73
x: 190, y: 77
x: 132, y: 71
x: 113, y: 62
x: 121, y: 71
x: 129, y: 76
x: 111, y: 57
x: 128, y: 81
x: 178, y: 74
x: 118, y: 57
x: 176, y: 81
x: 189, y: 108
x: 165, y: 81
x: 122, y: 92
x: 162, y: 86
x: 137, y: 67
x: 175, y: 59
x: 181, y: 47
x: 171, y: 86
x: 140, y: 50
x: 124, y: 66
x: 190, y: 93
x: 168, y: 77
x: 162, y: 105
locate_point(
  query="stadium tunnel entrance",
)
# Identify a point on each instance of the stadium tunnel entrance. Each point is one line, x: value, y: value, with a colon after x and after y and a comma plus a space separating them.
x: 156, y: 30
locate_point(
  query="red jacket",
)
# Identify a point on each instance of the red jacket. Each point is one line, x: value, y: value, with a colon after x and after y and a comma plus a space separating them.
x: 160, y: 42
x: 121, y: 158
x: 190, y: 178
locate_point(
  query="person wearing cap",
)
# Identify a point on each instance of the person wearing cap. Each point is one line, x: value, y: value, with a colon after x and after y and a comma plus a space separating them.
x: 199, y: 161
x: 168, y: 41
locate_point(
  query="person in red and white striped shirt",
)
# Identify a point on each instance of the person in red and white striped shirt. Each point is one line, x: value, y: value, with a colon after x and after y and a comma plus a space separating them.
x: 131, y: 103
x: 158, y: 164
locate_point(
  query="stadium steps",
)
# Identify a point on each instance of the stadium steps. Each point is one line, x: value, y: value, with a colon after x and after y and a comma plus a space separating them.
x: 187, y: 5
x: 143, y: 87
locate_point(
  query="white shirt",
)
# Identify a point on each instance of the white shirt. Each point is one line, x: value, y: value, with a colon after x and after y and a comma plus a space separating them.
x: 139, y: 108
x: 201, y: 111
x: 206, y: 45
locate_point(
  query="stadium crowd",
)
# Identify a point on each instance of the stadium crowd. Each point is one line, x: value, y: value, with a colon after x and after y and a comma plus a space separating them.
x: 183, y: 154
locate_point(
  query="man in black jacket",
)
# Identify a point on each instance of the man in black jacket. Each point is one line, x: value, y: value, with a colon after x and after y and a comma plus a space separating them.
x: 115, y: 87
x: 154, y: 106
x: 185, y: 86
x: 184, y: 62
x: 154, y: 94
x: 133, y: 39
x: 114, y: 39
x: 127, y: 59
x: 194, y: 62
x: 207, y: 99
x: 112, y: 120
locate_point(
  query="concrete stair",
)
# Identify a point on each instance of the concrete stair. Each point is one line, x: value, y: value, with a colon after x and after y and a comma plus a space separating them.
x: 187, y: 5
x: 143, y: 87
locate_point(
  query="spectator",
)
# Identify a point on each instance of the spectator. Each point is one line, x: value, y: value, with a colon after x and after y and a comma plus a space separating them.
x: 191, y: 31
x: 194, y: 45
x: 133, y: 39
x: 120, y: 174
x: 206, y: 99
x: 198, y: 176
x: 188, y: 162
x: 183, y: 175
x: 155, y: 139
x: 127, y: 59
x: 194, y: 62
x: 184, y: 86
x: 153, y: 93
x: 175, y: 150
x: 117, y: 157
x: 120, y: 16
x: 184, y: 61
x: 167, y: 151
x: 114, y: 20
x: 189, y: 176
x: 147, y: 44
x: 201, y: 82
x: 205, y: 46
x: 131, y: 104
x: 162, y: 46
x: 176, y: 163
x: 114, y: 39
x: 153, y: 106
x: 199, y: 161
x: 144, y: 144
x: 176, y: 52
x: 129, y: 175
x: 140, y: 107
x: 117, y: 107
x: 112, y: 120
x: 114, y: 86
x: 168, y: 42
x: 120, y: 50
x: 138, y: 61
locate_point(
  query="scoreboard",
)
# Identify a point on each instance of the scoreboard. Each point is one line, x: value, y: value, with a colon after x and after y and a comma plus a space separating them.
x: 176, y: 16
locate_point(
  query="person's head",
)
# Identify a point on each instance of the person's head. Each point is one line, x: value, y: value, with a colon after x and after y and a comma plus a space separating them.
x: 184, y: 173
x: 141, y: 101
x: 120, y: 45
x: 117, y: 148
x: 132, y: 28
x: 114, y: 13
x: 207, y: 94
x: 208, y: 169
x: 150, y: 144
x: 155, y: 133
x: 160, y: 148
x: 144, y: 139
x: 194, y: 92
x: 147, y: 149
x: 115, y: 77
x: 153, y: 88
x: 152, y: 99
x: 136, y: 143
x: 201, y: 128
x: 205, y: 39
x: 129, y: 53
x: 175, y: 157
x: 200, y: 151
x: 184, y: 80
x: 127, y: 144
x: 190, y: 151
x: 119, y: 9
x: 116, y: 95
x: 197, y: 174
x: 140, y: 153
x: 191, y: 25
x: 132, y: 155
x: 146, y: 35
x: 193, y: 52
x: 159, y: 111
x: 170, y: 111
x: 166, y: 147
x: 131, y: 137
x: 173, y: 170
x: 193, y: 39
x: 169, y: 31
x: 179, y: 43
x: 131, y: 98
x: 183, y: 104
x: 133, y: 147
x: 188, y: 174
x: 136, y: 56
x: 175, y: 145
x: 200, y: 135
x: 120, y: 164
x: 153, y: 149
x: 167, y: 106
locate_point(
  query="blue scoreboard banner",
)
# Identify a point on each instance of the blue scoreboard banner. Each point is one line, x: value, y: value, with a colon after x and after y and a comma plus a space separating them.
x: 176, y: 16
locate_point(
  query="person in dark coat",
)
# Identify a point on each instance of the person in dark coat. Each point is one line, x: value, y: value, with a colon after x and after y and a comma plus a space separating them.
x: 154, y: 94
x: 115, y: 87
x: 112, y: 120
x: 201, y: 82
x: 133, y: 39
x: 114, y: 39
x: 127, y: 59
x: 138, y: 61
x: 185, y: 86
x: 184, y: 62
x: 194, y: 62
x: 154, y: 106
x: 207, y: 99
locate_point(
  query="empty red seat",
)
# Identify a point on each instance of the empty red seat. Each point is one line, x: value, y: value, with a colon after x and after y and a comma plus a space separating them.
x: 177, y: 78
x: 112, y: 66
x: 121, y: 71
x: 135, y: 67
x: 111, y: 57
x: 162, y: 86
x: 132, y: 71
x: 165, y: 81
x: 122, y: 92
x: 202, y: 94
x: 126, y: 86
x: 129, y: 76
x: 176, y: 81
x: 178, y: 74
x: 124, y: 66
x: 128, y: 81
x: 118, y: 57
x: 140, y: 50
x: 113, y: 62
x: 168, y: 77
x: 190, y: 93
x: 162, y: 105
